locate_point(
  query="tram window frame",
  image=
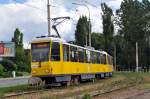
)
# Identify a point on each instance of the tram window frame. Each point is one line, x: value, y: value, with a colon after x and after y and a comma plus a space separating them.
x: 66, y: 52
x: 73, y: 54
x: 81, y: 55
x: 57, y: 56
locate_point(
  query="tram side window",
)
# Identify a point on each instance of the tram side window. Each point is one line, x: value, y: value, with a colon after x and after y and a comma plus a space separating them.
x: 111, y: 60
x: 98, y: 58
x: 88, y: 56
x: 108, y: 57
x: 66, y: 52
x: 55, y: 51
x: 81, y: 55
x: 103, y: 59
x: 73, y: 54
x: 95, y: 57
x: 92, y: 56
x: 85, y: 56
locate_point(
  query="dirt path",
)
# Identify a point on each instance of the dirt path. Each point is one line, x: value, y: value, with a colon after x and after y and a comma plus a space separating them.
x: 129, y: 93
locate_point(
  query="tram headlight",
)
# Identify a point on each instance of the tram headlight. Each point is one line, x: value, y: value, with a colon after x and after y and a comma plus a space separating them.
x: 47, y: 71
x: 33, y: 72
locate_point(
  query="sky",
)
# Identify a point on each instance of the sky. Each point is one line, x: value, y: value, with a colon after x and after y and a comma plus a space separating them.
x: 30, y: 16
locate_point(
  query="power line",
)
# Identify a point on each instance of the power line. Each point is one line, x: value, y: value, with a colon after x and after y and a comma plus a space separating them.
x: 91, y: 4
x: 35, y: 7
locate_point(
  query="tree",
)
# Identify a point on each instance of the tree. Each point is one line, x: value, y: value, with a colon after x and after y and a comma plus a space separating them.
x: 119, y: 46
x: 133, y: 21
x: 97, y: 41
x: 82, y: 30
x: 20, y: 58
x: 108, y: 27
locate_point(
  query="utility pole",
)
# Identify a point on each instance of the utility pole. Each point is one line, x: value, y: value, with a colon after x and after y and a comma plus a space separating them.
x: 49, y: 17
x: 89, y: 30
x: 115, y: 58
x: 137, y: 61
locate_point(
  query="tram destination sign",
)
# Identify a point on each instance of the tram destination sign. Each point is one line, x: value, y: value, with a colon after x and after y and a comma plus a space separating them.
x: 7, y: 49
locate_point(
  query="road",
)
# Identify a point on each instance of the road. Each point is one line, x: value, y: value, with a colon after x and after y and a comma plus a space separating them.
x: 7, y: 82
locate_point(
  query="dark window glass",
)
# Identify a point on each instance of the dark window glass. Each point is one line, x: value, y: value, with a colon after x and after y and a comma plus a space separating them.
x: 108, y: 59
x: 88, y: 56
x: 40, y: 52
x: 103, y: 59
x: 66, y: 52
x: 85, y: 57
x: 55, y: 51
x: 81, y: 55
x: 73, y: 54
x: 92, y: 57
x: 111, y: 60
x: 95, y: 57
x: 98, y: 58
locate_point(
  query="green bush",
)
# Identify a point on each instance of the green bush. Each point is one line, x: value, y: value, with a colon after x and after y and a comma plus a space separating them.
x: 1, y: 70
x: 9, y: 65
x: 7, y: 74
x: 19, y: 74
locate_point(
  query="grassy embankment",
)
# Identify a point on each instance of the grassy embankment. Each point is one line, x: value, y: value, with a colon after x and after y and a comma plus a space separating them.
x: 120, y: 79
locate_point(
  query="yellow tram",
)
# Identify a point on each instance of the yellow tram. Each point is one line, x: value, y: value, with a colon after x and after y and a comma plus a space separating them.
x: 54, y: 60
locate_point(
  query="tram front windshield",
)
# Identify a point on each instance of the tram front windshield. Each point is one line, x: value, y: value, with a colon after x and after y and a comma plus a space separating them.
x: 40, y: 52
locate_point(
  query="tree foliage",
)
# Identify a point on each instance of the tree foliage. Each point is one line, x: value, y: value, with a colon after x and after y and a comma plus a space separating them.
x: 1, y: 70
x: 134, y: 23
x: 108, y: 27
x: 20, y: 58
x: 98, y: 41
x: 82, y: 30
x: 8, y: 65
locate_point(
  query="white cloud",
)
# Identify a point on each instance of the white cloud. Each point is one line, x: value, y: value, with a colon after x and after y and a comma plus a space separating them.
x: 33, y: 22
x: 115, y: 4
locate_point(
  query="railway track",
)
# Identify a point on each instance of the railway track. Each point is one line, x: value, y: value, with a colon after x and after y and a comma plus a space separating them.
x: 137, y: 95
x: 93, y: 93
x: 102, y: 92
x: 22, y: 93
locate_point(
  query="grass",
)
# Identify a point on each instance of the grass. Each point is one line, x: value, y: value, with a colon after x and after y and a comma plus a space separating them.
x: 25, y: 73
x: 118, y: 80
x: 13, y: 89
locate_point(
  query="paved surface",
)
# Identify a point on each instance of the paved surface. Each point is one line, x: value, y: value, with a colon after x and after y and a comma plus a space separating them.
x: 7, y: 82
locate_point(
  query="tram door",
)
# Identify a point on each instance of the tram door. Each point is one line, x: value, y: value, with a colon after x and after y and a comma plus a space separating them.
x: 55, y: 59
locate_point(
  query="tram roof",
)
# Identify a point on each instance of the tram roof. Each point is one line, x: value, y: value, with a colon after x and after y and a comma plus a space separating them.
x: 47, y: 39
